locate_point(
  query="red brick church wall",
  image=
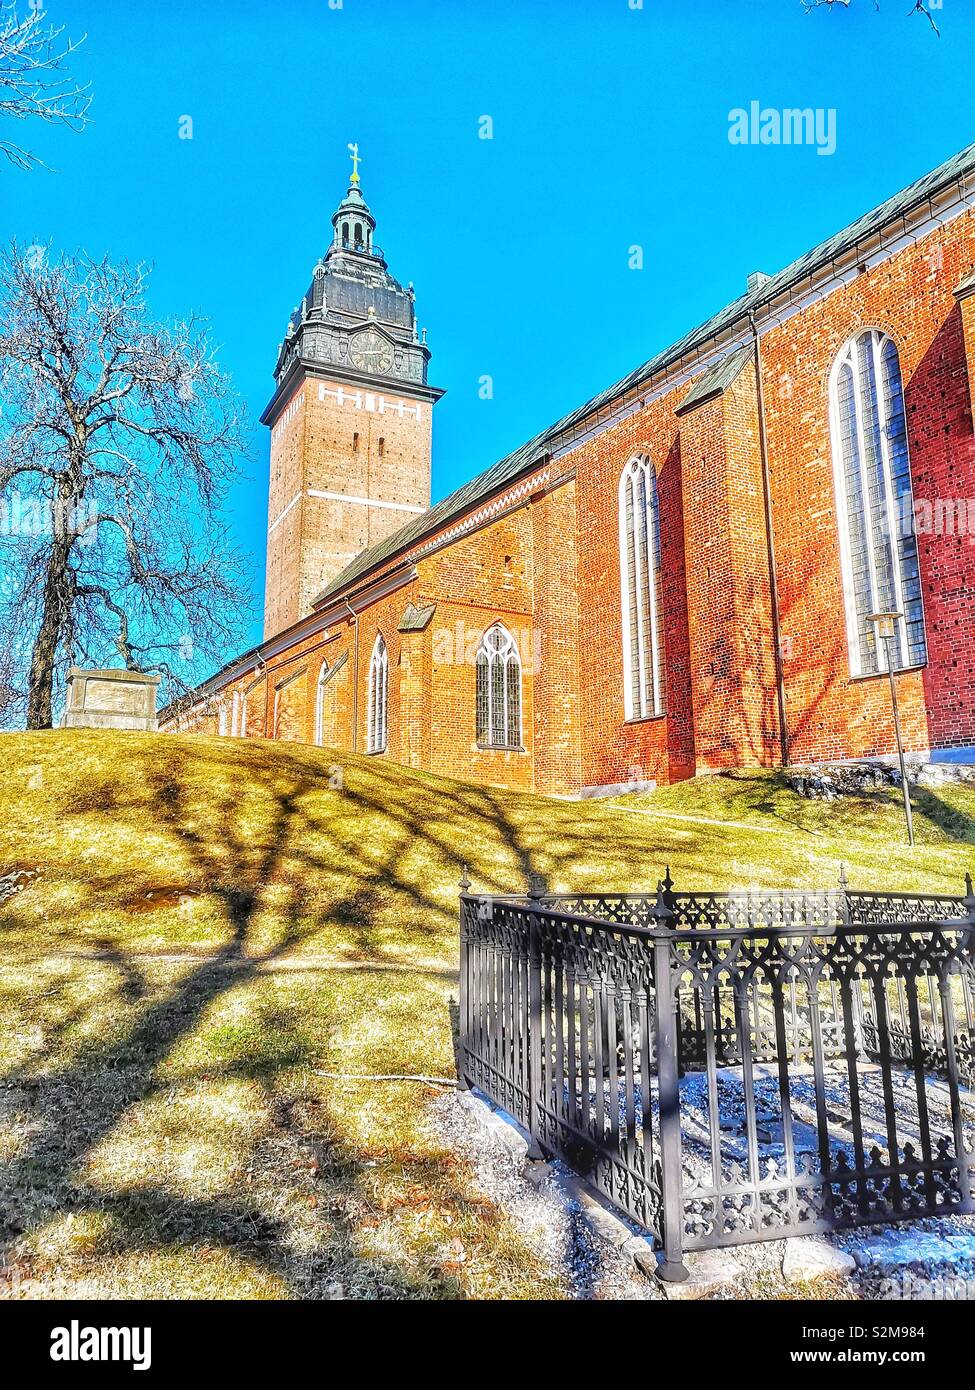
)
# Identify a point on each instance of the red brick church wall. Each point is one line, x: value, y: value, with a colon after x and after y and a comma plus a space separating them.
x: 659, y: 749
x: 548, y: 568
x: 910, y: 298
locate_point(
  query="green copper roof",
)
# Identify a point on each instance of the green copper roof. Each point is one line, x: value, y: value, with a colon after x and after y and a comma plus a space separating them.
x: 966, y: 286
x: 415, y: 619
x: 715, y: 380
x: 737, y: 311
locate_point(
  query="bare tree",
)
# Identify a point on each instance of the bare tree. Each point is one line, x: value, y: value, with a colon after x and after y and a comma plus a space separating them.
x: 118, y: 439
x: 33, y: 80
x: 918, y: 7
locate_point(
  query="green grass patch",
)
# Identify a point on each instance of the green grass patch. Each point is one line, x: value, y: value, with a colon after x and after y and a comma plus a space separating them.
x: 201, y: 927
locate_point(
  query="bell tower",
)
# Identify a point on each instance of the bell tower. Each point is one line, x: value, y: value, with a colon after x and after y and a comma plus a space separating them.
x: 350, y: 417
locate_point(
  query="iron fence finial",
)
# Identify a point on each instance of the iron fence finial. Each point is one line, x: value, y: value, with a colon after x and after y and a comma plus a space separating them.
x: 661, y: 912
x: 844, y: 881
x: 536, y: 884
x: 465, y: 882
x: 970, y: 896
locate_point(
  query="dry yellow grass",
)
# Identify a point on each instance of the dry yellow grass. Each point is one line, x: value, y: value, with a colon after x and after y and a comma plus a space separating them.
x: 203, y: 925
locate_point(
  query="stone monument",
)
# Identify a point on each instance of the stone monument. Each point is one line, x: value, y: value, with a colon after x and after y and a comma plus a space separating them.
x: 110, y: 700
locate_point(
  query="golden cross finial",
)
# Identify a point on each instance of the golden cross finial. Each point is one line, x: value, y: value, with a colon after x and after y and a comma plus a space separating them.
x: 355, y: 163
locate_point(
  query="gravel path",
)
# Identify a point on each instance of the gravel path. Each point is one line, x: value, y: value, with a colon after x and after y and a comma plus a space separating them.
x: 554, y: 1225
x: 547, y: 1218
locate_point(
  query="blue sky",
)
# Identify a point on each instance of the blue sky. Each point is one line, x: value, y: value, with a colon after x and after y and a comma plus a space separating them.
x: 610, y: 130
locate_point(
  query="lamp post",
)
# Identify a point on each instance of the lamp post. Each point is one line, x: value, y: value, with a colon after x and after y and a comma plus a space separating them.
x: 885, y: 625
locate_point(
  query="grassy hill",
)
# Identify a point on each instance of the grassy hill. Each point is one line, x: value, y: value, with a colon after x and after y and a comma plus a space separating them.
x: 195, y: 928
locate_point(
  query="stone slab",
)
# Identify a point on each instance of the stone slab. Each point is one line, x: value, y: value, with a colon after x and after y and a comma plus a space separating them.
x: 110, y: 699
x: 710, y: 1271
x: 810, y: 1257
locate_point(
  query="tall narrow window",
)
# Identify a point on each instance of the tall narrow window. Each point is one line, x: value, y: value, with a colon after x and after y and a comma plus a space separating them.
x: 640, y: 589
x: 378, y: 686
x: 498, y: 695
x: 320, y: 703
x: 872, y: 471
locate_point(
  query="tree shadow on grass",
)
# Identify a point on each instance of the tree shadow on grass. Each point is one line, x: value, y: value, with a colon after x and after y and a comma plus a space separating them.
x: 83, y: 1102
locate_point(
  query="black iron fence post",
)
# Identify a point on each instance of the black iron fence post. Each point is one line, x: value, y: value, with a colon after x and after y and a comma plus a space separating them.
x: 536, y: 887
x: 672, y: 1265
x: 858, y: 1040
x: 544, y: 1002
x: 464, y: 993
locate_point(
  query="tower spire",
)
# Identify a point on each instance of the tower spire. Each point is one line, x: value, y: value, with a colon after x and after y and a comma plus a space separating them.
x: 352, y: 370
x: 353, y: 222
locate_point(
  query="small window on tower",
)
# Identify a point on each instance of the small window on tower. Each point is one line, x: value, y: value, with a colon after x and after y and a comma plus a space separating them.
x: 382, y: 446
x: 355, y: 442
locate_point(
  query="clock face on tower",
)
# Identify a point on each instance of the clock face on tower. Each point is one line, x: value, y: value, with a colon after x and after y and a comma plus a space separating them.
x: 370, y: 352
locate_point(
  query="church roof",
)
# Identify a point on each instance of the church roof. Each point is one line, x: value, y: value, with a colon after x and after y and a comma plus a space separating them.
x: 715, y: 380
x: 966, y: 286
x: 763, y: 293
x: 415, y: 619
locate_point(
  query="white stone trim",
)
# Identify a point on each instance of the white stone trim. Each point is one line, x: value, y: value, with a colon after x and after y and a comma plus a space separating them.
x: 372, y: 401
x: 365, y: 501
x: 281, y: 515
x: 294, y: 405
x: 504, y: 503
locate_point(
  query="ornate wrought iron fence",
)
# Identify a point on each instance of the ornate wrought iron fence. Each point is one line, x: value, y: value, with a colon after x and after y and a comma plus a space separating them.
x: 732, y: 1067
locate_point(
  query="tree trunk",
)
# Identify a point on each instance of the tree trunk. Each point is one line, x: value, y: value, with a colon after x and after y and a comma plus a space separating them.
x: 40, y: 688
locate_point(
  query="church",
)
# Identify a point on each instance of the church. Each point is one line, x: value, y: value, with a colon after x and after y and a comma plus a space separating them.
x: 681, y: 576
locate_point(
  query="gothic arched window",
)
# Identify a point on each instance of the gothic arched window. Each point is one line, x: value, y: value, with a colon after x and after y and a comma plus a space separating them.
x: 872, y: 471
x: 320, y: 702
x: 498, y: 695
x: 640, y: 590
x: 378, y: 686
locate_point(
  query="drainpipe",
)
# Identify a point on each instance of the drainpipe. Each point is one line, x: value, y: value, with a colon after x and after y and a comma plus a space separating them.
x: 770, y: 546
x: 355, y: 676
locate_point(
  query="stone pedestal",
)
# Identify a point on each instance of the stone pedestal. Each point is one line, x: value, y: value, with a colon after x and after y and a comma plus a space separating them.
x: 110, y: 700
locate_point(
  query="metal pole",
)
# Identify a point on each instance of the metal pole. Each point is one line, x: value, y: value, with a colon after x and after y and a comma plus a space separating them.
x: 900, y: 744
x: 770, y: 549
x: 671, y: 1267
